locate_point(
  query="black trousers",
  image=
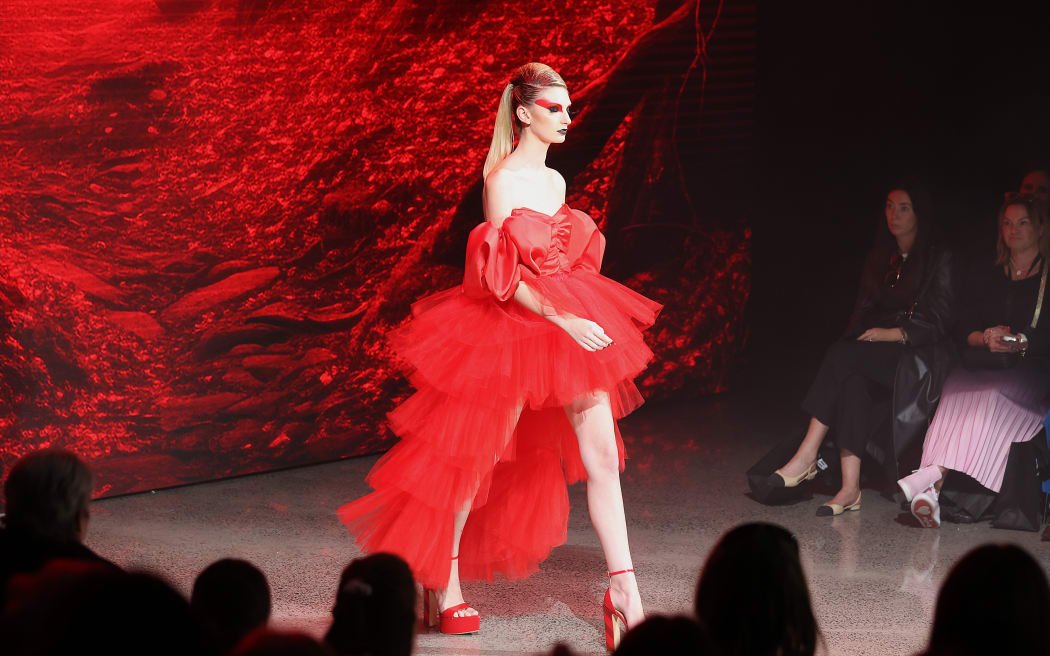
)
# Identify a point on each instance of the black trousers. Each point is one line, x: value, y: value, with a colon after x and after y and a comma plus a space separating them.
x: 852, y: 393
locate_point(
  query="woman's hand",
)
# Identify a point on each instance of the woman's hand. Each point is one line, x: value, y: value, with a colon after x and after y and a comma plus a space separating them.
x: 585, y: 332
x: 881, y: 335
x: 993, y: 340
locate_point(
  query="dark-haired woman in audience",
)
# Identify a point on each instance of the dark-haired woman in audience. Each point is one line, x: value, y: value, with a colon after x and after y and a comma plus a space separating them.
x: 375, y: 608
x: 995, y: 601
x: 1002, y: 392
x: 752, y: 595
x: 894, y: 349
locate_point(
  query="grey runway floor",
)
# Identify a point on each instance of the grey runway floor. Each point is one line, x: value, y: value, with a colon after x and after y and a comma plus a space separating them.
x: 873, y: 579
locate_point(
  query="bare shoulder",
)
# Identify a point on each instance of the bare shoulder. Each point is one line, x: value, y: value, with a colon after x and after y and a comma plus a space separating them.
x: 558, y: 182
x: 499, y: 195
x: 500, y: 181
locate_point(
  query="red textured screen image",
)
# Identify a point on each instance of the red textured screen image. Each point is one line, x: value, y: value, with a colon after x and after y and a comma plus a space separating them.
x: 211, y: 211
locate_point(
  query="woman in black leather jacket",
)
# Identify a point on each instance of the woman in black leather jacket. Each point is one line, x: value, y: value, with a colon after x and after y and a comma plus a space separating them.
x: 892, y: 359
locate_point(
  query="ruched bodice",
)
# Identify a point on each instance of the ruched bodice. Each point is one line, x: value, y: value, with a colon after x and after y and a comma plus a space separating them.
x: 528, y: 245
x: 557, y: 260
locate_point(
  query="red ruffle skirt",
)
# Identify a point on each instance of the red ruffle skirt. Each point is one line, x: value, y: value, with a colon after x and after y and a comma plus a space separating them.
x: 475, y: 362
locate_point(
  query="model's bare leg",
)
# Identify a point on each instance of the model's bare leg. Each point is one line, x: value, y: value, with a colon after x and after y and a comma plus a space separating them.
x: 850, y: 489
x: 452, y: 595
x: 807, y: 451
x: 591, y: 419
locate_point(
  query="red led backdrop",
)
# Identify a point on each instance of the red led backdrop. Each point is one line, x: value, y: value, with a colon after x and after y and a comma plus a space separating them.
x: 211, y: 211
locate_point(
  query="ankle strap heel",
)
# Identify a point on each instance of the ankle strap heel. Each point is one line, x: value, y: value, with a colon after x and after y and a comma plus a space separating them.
x: 446, y: 620
x: 622, y: 571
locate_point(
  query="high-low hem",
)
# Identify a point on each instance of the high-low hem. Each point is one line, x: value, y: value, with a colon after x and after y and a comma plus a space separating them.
x: 487, y: 425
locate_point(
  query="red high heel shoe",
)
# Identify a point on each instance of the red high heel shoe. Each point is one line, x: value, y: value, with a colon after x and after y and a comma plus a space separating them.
x: 615, y: 624
x: 446, y: 620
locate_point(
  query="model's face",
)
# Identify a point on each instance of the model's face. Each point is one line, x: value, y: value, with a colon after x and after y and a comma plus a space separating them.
x: 900, y: 214
x: 548, y: 117
x: 1019, y: 233
x: 1037, y: 184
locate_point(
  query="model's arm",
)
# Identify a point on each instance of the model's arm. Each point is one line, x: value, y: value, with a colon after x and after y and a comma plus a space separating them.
x: 499, y: 201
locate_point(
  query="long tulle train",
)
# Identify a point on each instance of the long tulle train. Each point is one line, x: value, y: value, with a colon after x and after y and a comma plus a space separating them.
x: 487, y: 429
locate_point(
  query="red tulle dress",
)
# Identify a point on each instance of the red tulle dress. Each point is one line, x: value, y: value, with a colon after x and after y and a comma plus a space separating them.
x: 475, y: 356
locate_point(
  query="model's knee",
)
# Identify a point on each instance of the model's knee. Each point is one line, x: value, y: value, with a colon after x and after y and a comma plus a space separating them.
x: 602, y: 461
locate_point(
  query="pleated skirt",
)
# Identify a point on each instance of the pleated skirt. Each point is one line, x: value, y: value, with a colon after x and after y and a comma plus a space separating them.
x: 980, y: 415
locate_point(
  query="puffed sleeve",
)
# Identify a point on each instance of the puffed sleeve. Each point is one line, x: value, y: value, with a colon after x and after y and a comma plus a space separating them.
x: 587, y: 243
x: 492, y: 264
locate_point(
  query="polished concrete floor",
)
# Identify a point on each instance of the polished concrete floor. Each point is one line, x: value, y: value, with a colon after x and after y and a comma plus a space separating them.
x: 874, y: 579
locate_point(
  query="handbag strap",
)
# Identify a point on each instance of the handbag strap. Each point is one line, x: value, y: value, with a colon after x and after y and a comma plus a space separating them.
x: 1039, y: 298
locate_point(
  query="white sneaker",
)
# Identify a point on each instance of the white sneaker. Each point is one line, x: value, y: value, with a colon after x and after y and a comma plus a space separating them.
x: 919, y: 480
x: 926, y: 509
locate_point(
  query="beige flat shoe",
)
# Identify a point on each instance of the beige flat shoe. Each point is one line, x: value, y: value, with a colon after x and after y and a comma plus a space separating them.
x: 777, y: 479
x: 833, y: 509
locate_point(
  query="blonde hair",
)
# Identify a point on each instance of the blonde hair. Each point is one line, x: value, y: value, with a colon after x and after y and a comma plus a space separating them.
x: 1036, y: 213
x: 526, y: 84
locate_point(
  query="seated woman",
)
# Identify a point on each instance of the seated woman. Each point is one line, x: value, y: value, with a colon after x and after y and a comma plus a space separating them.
x: 894, y: 343
x: 1002, y: 392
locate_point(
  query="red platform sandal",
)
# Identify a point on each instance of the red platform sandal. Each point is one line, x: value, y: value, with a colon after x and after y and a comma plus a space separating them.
x: 615, y: 624
x: 446, y: 620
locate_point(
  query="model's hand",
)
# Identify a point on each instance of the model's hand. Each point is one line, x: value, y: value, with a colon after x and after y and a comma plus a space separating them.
x: 881, y: 335
x: 586, y: 333
x: 993, y: 339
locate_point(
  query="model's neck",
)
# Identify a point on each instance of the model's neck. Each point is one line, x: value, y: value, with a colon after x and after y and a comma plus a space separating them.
x: 531, y: 152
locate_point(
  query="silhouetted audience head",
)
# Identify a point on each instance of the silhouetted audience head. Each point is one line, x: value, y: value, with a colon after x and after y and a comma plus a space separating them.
x: 666, y: 635
x: 76, y: 607
x: 752, y: 595
x: 230, y: 599
x: 1036, y: 183
x: 264, y: 642
x: 47, y: 494
x: 375, y: 608
x: 995, y: 601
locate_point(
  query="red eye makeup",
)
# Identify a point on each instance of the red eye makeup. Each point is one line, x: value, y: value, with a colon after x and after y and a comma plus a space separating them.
x: 546, y: 104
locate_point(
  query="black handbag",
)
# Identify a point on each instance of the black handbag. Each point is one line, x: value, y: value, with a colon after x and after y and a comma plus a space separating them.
x: 1019, y: 505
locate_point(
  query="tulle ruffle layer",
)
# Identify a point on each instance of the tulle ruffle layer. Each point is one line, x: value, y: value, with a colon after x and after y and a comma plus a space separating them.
x: 519, y: 510
x: 468, y: 347
x: 487, y: 425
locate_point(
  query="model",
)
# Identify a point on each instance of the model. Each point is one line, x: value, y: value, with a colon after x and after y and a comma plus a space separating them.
x: 521, y: 373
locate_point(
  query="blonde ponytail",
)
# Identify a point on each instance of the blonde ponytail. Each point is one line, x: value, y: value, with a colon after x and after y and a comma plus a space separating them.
x: 503, y: 132
x: 526, y: 84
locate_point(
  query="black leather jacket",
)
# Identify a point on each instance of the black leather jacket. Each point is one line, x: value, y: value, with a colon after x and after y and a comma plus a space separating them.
x: 929, y: 355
